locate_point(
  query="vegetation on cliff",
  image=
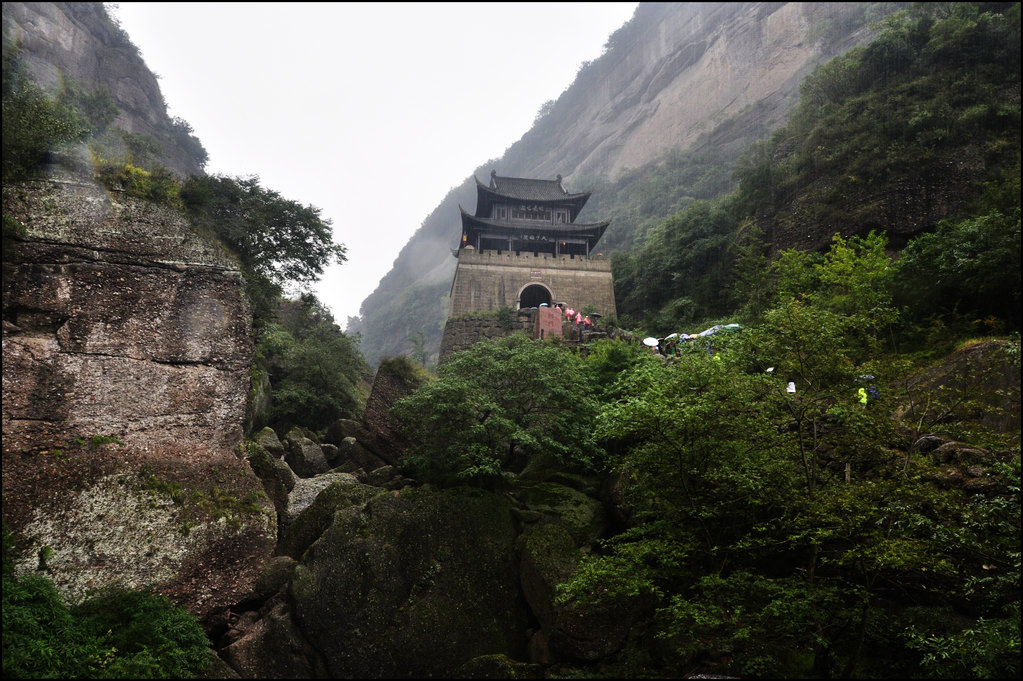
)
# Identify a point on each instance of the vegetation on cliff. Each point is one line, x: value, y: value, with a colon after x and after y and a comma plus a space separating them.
x: 116, y: 635
x: 33, y: 123
x: 915, y: 136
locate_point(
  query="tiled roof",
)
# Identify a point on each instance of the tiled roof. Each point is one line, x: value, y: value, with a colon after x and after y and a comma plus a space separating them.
x: 595, y: 229
x: 526, y: 189
x: 522, y: 188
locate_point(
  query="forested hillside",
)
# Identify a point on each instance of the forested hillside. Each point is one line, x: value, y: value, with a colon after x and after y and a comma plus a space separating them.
x: 914, y: 137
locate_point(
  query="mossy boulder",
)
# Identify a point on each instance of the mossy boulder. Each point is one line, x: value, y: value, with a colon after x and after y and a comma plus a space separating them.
x: 549, y: 557
x: 570, y: 632
x: 304, y: 455
x: 268, y: 440
x: 583, y: 516
x: 307, y: 490
x: 307, y: 527
x: 276, y: 475
x: 415, y: 584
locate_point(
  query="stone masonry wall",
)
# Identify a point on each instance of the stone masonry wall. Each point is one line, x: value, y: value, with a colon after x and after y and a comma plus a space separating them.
x: 488, y: 280
x: 461, y: 333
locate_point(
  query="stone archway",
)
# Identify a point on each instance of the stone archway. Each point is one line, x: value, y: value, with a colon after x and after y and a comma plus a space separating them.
x: 534, y: 294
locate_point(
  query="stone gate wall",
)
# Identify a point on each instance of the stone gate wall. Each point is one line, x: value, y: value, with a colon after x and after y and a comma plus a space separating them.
x: 488, y: 280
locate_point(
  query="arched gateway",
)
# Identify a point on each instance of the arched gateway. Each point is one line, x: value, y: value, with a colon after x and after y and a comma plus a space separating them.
x: 534, y: 295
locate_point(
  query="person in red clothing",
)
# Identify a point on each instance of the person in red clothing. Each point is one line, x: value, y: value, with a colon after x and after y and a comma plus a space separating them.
x: 569, y: 314
x: 587, y: 323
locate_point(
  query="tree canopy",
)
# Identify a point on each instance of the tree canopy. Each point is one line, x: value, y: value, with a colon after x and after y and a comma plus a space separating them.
x: 275, y: 238
x: 498, y: 405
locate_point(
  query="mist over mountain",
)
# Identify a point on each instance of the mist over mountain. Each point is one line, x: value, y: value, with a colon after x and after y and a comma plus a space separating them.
x: 677, y: 77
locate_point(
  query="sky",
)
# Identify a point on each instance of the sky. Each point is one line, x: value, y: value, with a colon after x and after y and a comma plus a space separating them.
x: 371, y: 112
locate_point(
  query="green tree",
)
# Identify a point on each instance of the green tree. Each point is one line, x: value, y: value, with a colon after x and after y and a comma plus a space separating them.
x: 783, y: 527
x: 316, y: 370
x: 275, y: 238
x: 498, y: 405
x: 964, y: 267
x: 33, y: 124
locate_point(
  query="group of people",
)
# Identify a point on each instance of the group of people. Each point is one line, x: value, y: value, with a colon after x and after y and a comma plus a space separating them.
x: 572, y: 316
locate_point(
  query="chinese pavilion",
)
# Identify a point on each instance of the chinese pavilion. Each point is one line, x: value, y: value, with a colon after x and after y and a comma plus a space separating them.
x: 522, y: 248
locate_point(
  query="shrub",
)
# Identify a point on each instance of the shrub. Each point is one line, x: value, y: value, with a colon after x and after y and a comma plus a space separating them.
x: 119, y: 634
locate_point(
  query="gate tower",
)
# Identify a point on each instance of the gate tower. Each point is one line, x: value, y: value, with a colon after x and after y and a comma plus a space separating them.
x: 522, y: 247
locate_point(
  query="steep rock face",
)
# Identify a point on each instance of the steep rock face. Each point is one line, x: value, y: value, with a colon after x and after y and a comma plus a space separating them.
x: 677, y: 71
x: 77, y: 40
x: 113, y: 292
x: 126, y: 361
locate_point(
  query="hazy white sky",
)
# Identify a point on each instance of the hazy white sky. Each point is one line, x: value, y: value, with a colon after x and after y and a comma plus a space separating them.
x: 371, y: 112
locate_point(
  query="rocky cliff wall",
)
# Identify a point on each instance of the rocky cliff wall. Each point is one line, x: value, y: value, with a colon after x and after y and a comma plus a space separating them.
x: 57, y: 41
x: 678, y: 70
x: 126, y: 356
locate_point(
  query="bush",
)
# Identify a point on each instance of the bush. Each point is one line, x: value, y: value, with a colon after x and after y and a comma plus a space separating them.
x: 498, y: 405
x: 158, y: 186
x: 33, y: 124
x: 120, y: 634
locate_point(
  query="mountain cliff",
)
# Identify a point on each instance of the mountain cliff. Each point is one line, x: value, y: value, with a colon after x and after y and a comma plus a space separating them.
x: 675, y: 77
x: 126, y: 341
x: 68, y: 45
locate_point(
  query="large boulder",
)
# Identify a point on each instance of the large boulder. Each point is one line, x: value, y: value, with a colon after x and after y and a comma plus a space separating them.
x: 306, y: 491
x: 304, y: 455
x: 395, y: 378
x: 276, y: 475
x: 417, y: 583
x: 352, y: 453
x: 343, y: 491
x: 569, y: 632
x: 582, y: 515
x: 272, y: 647
x: 268, y: 440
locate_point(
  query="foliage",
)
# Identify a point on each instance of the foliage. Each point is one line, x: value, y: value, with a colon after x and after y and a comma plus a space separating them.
x: 275, y: 238
x: 33, y: 124
x: 315, y: 369
x: 780, y: 526
x: 185, y: 138
x: 152, y: 638
x: 497, y: 405
x: 680, y: 268
x: 119, y: 634
x: 970, y: 265
x: 97, y: 107
x: 141, y: 148
x: 158, y: 185
x: 777, y: 526
x: 607, y: 360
